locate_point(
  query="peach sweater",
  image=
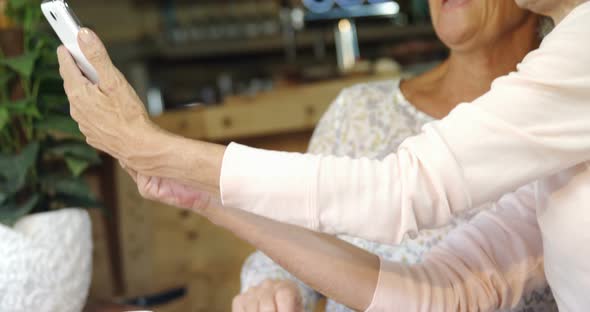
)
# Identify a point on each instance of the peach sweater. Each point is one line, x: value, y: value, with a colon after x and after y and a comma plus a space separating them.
x: 534, y: 125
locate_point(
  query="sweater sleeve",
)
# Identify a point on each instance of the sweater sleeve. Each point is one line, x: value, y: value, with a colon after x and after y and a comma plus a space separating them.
x: 531, y: 124
x: 487, y: 264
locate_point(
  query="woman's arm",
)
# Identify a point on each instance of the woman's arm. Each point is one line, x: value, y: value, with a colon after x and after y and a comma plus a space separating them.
x: 531, y: 124
x: 484, y: 265
x: 333, y: 267
x: 487, y: 264
x: 317, y: 259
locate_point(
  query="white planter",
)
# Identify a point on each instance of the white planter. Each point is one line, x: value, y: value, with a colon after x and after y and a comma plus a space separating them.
x: 46, y: 262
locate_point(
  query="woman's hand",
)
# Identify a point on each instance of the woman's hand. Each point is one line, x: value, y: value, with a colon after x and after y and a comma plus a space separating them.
x: 114, y: 120
x: 110, y: 114
x: 171, y: 192
x: 270, y: 296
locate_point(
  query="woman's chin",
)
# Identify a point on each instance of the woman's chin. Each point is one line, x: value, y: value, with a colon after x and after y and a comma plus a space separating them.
x: 453, y: 4
x: 456, y: 26
x: 524, y: 4
x: 454, y: 36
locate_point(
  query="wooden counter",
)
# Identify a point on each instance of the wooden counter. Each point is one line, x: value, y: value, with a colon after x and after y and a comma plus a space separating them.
x: 284, y: 111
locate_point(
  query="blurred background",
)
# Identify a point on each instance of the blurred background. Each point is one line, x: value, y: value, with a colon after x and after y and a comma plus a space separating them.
x: 256, y: 72
x: 187, y: 53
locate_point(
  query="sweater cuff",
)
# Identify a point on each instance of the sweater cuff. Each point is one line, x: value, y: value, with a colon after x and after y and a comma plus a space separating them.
x: 374, y: 306
x: 276, y: 185
x: 396, y: 289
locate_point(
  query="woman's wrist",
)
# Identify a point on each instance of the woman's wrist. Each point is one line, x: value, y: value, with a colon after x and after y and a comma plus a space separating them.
x: 163, y: 154
x: 143, y: 149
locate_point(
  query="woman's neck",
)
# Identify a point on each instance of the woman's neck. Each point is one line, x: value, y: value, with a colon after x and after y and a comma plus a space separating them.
x: 466, y: 75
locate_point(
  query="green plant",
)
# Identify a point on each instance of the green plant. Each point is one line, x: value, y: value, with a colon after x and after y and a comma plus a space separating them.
x: 42, y: 152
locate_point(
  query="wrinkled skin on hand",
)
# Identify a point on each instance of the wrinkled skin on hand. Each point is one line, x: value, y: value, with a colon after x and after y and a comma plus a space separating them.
x: 109, y: 114
x: 171, y: 192
x: 270, y: 296
x: 114, y: 120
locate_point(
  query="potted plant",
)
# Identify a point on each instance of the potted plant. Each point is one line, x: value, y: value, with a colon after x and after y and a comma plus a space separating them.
x: 45, y: 249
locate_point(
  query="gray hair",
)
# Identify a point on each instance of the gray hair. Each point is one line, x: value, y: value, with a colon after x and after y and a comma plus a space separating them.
x: 546, y: 25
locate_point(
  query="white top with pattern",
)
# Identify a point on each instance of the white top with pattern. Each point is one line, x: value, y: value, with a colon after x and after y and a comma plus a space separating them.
x: 371, y: 120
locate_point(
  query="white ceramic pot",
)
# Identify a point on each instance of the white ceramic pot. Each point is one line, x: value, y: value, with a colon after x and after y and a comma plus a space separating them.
x: 46, y: 262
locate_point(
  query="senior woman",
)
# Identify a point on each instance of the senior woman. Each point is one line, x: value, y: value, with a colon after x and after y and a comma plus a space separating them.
x: 487, y: 40
x: 534, y: 121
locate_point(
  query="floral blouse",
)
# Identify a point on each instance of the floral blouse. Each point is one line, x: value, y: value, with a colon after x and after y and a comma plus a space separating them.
x: 371, y: 120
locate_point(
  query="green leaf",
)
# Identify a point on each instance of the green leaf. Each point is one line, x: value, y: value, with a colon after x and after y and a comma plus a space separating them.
x: 5, y: 77
x: 30, y: 110
x: 79, y: 150
x: 76, y: 165
x: 29, y: 21
x: 74, y: 187
x: 3, y: 198
x: 24, y: 107
x: 14, y: 168
x: 48, y: 56
x: 17, y: 4
x: 16, y: 9
x: 22, y: 64
x: 62, y: 124
x: 11, y: 212
x: 4, y: 117
x: 69, y: 186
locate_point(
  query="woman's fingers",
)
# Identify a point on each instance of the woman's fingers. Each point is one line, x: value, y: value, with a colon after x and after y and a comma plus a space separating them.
x: 237, y: 304
x: 266, y: 298
x: 145, y: 186
x: 109, y: 114
x: 250, y: 303
x: 77, y: 87
x: 96, y: 53
x: 270, y: 296
x: 287, y: 297
x: 69, y: 71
